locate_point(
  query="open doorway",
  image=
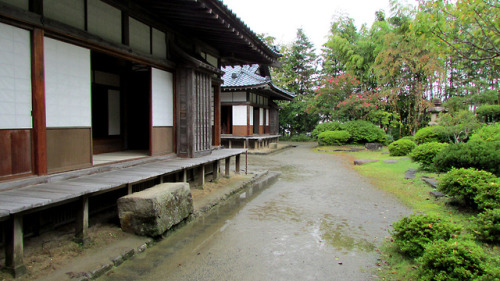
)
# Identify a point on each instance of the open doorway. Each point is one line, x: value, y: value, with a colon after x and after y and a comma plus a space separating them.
x: 256, y: 120
x: 120, y: 108
x: 226, y: 120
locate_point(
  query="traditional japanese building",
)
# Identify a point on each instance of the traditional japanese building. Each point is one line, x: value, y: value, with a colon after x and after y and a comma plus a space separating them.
x: 80, y: 79
x: 249, y: 114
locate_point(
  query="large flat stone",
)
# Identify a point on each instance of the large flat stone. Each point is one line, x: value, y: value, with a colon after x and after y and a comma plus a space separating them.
x: 155, y: 210
x: 364, y: 161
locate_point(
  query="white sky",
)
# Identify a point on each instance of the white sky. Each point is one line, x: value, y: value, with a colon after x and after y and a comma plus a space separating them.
x: 282, y: 18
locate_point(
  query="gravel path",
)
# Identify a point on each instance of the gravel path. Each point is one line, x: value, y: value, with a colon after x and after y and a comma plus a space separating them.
x: 320, y: 221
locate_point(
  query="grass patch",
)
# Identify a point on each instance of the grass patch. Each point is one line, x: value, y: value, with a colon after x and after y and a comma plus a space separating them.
x: 414, y: 193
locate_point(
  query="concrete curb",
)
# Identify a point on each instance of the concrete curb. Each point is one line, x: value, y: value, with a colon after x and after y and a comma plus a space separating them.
x: 116, y: 261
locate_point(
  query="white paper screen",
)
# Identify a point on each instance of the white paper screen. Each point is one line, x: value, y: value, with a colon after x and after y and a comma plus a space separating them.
x: 15, y: 78
x: 67, y: 84
x: 163, y: 97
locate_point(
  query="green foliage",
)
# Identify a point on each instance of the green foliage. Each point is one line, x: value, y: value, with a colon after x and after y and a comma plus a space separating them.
x: 487, y: 133
x: 430, y: 134
x: 300, y: 138
x: 464, y: 184
x: 452, y: 260
x: 411, y: 234
x: 425, y: 153
x: 294, y: 119
x: 333, y: 138
x: 479, y: 155
x: 401, y: 147
x: 489, y: 113
x: 488, y: 195
x: 323, y: 127
x: 364, y: 132
x: 459, y: 125
x: 486, y: 226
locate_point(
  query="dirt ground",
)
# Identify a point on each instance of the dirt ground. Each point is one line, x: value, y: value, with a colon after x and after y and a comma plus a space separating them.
x: 53, y: 250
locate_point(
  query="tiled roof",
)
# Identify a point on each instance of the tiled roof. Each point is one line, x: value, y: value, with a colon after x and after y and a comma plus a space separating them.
x: 247, y: 76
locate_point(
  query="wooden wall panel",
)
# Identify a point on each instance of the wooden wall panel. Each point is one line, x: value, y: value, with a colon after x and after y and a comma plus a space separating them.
x: 68, y: 149
x: 162, y: 140
x: 15, y: 151
x: 242, y: 130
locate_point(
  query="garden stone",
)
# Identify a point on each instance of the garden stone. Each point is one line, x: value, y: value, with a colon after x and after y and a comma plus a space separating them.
x: 437, y: 194
x: 391, y: 161
x: 155, y: 210
x: 430, y: 181
x: 373, y: 146
x: 364, y: 161
x: 410, y: 174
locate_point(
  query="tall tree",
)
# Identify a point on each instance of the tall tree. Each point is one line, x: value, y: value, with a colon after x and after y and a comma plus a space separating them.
x: 297, y: 75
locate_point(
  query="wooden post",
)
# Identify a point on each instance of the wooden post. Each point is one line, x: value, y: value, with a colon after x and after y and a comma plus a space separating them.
x: 129, y: 188
x: 217, y: 110
x: 38, y: 99
x: 238, y: 158
x: 82, y: 221
x: 216, y: 169
x: 227, y: 163
x: 184, y: 175
x: 229, y: 143
x: 200, y: 182
x: 14, y: 246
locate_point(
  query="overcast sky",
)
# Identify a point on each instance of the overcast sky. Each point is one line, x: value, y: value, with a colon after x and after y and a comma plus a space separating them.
x: 281, y: 18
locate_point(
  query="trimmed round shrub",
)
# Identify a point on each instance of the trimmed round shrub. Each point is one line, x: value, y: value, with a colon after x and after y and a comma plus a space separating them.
x: 412, y: 233
x: 488, y: 195
x: 401, y: 147
x: 323, y: 127
x: 486, y: 226
x: 479, y: 155
x: 333, y: 138
x: 364, y: 132
x: 487, y: 133
x: 300, y: 138
x: 464, y: 184
x: 430, y: 134
x: 425, y: 153
x: 452, y: 260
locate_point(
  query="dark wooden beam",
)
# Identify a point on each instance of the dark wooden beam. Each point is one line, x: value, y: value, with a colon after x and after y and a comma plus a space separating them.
x: 38, y: 98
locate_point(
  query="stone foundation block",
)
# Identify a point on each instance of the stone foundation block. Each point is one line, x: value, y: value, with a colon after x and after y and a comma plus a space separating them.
x: 153, y: 211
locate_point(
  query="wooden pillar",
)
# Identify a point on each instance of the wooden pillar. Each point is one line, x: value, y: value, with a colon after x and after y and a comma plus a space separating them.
x: 200, y: 182
x: 217, y: 111
x: 216, y: 169
x: 129, y: 188
x: 227, y: 163
x: 14, y: 246
x: 184, y: 175
x: 230, y: 143
x: 82, y: 221
x: 38, y: 99
x: 237, y: 164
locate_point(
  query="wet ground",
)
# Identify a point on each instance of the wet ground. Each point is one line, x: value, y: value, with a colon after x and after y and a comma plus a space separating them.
x: 320, y: 221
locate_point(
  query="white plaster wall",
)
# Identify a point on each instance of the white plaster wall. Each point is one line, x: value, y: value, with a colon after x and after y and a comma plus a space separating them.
x: 240, y: 96
x: 139, y: 36
x: 15, y: 78
x: 67, y: 84
x: 240, y: 115
x: 104, y: 21
x: 71, y: 12
x: 226, y: 97
x: 261, y: 116
x: 267, y: 117
x: 159, y: 44
x: 163, y: 97
x: 250, y: 110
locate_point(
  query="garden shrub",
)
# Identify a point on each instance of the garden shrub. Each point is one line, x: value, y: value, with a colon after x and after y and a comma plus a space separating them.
x: 479, y: 155
x: 487, y: 133
x: 364, y: 132
x: 425, y: 153
x: 431, y: 134
x: 486, y: 226
x: 452, y: 260
x: 488, y: 113
x: 401, y: 147
x: 333, y: 138
x: 300, y: 138
x: 323, y: 127
x: 464, y: 184
x: 488, y: 195
x: 412, y: 233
